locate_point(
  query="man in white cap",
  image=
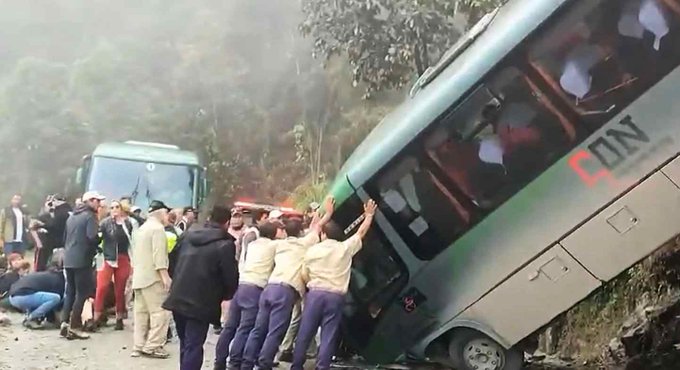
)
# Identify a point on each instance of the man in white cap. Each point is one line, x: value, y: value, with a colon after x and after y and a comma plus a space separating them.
x: 81, y: 240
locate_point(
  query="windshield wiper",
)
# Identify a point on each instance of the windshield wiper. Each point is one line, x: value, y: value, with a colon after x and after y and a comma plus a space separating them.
x: 456, y: 50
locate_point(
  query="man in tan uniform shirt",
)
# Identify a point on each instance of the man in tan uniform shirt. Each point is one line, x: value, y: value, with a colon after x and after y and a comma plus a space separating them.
x: 327, y: 269
x: 255, y: 266
x: 284, y: 288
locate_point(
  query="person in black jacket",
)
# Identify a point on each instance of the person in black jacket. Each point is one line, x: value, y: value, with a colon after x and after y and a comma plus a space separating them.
x: 39, y: 294
x: 206, y: 274
x: 53, y: 227
x: 10, y: 277
x: 116, y: 232
x: 80, y: 248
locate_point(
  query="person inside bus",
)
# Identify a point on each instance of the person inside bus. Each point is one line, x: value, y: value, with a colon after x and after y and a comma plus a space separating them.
x: 610, y: 52
x: 326, y: 271
x: 430, y: 213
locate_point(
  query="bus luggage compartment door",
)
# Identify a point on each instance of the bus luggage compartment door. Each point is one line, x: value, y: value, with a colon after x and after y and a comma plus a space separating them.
x: 530, y: 298
x: 628, y: 230
x: 672, y: 170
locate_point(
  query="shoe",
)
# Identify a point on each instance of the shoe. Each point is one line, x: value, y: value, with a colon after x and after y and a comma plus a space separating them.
x: 158, y: 353
x: 286, y: 356
x: 90, y: 326
x: 76, y: 334
x: 217, y: 329
x: 63, y: 330
x: 119, y: 325
x: 31, y: 324
x: 136, y: 353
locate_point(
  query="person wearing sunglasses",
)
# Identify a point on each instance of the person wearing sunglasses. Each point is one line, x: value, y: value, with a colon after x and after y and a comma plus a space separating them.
x: 116, y: 233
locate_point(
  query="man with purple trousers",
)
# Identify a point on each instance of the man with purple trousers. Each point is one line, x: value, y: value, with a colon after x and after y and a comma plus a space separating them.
x: 284, y: 288
x: 326, y: 270
x: 255, y: 265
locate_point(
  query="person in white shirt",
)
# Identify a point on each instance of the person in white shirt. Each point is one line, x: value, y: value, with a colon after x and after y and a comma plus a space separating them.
x: 284, y: 288
x: 255, y: 266
x: 13, y: 226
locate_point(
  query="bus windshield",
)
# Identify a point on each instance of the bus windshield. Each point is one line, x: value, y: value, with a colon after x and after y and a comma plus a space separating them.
x: 115, y: 178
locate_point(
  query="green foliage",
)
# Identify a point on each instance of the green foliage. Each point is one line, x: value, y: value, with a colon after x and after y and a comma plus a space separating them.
x: 309, y: 192
x: 387, y: 43
x: 231, y: 80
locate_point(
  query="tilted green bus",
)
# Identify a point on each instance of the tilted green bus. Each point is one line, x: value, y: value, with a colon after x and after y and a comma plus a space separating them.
x: 537, y: 161
x: 145, y: 172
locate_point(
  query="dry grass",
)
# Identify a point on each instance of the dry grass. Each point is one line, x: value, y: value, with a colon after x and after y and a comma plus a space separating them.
x: 587, y: 328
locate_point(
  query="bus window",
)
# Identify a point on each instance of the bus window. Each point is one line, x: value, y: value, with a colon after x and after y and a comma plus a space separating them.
x: 600, y: 55
x: 518, y: 133
x: 423, y: 211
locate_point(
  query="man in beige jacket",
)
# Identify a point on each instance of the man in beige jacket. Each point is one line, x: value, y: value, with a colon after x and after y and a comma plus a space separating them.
x: 151, y: 284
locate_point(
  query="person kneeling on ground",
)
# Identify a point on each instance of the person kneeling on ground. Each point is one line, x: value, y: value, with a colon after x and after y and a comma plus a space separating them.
x: 326, y: 271
x: 9, y: 278
x: 40, y: 295
x: 206, y: 274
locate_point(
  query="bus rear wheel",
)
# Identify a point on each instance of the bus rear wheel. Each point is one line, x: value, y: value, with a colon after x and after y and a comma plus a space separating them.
x: 472, y: 350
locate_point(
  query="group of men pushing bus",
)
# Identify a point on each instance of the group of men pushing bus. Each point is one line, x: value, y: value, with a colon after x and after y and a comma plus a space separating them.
x: 282, y: 266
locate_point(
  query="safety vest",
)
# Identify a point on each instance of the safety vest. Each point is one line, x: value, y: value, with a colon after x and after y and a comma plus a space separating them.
x: 172, y: 240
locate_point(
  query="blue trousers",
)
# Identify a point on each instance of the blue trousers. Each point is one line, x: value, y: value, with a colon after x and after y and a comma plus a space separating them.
x: 15, y: 247
x: 192, y: 334
x: 37, y: 305
x: 242, y: 314
x: 273, y: 319
x: 322, y: 309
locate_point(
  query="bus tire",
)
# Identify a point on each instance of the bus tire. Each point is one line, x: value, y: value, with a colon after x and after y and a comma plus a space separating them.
x: 472, y: 350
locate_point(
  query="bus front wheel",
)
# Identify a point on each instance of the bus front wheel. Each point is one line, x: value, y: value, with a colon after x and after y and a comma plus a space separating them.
x: 472, y: 350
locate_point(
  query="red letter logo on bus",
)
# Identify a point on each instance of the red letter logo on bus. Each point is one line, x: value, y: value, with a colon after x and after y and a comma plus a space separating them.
x: 588, y: 178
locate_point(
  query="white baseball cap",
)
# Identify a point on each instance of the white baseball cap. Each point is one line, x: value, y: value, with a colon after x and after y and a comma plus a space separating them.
x: 92, y: 195
x: 275, y: 214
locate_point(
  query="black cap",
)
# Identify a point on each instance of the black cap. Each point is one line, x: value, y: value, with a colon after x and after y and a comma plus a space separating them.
x: 156, y: 205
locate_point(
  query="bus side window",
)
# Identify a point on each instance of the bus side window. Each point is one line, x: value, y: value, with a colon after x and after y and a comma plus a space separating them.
x: 600, y: 55
x: 427, y: 216
x: 518, y: 133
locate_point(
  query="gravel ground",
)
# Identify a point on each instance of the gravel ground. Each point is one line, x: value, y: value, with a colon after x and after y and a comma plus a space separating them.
x: 24, y: 349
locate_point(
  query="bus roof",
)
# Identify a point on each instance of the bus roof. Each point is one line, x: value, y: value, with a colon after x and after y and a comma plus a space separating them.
x: 144, y: 152
x: 513, y: 23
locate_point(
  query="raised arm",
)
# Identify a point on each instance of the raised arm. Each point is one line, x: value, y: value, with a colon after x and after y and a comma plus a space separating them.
x: 369, y: 213
x: 329, y: 207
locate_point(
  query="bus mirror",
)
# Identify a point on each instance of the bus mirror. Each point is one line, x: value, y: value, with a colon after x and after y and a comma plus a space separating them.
x: 206, y: 186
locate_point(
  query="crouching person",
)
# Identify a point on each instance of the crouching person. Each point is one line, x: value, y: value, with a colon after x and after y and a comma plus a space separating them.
x: 326, y: 271
x: 40, y: 295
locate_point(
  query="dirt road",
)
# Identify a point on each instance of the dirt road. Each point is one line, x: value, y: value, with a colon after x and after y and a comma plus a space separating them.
x: 22, y: 349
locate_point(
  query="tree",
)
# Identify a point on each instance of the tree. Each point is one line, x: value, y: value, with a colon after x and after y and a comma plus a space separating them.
x: 387, y: 43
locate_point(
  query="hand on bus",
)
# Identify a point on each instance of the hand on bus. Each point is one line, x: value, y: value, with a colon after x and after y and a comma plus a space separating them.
x: 369, y: 212
x: 329, y: 204
x: 370, y: 207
